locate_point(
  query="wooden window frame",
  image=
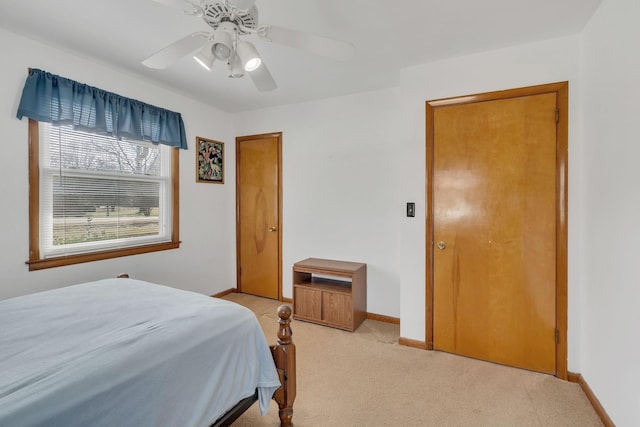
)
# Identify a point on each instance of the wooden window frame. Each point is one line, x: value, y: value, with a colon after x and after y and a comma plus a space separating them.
x: 35, y: 261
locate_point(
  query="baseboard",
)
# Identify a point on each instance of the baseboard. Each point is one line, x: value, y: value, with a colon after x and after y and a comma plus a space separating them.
x: 383, y: 318
x: 579, y: 379
x: 412, y: 343
x: 234, y: 290
x: 371, y: 316
x: 223, y: 293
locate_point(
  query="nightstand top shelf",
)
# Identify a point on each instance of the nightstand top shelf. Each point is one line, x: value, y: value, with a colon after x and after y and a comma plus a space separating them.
x: 328, y: 266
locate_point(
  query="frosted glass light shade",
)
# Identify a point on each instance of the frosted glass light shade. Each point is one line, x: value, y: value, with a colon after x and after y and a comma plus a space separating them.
x: 222, y: 45
x: 249, y: 56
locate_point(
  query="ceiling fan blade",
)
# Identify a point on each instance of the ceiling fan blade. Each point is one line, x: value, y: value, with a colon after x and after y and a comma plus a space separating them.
x: 319, y: 45
x: 241, y: 4
x: 185, y: 5
x: 172, y: 53
x: 262, y: 79
x: 171, y: 3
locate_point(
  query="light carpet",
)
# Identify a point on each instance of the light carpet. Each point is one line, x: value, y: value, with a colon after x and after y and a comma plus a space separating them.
x: 365, y: 378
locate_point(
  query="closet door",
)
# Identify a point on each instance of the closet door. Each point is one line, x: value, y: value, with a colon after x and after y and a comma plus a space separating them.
x: 258, y: 197
x: 494, y: 230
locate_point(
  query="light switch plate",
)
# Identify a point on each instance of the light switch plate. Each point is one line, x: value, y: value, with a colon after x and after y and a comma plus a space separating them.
x: 411, y: 209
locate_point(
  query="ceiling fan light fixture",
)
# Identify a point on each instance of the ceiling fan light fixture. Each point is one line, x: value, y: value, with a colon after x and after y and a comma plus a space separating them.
x: 222, y: 44
x: 235, y: 67
x: 229, y: 20
x: 221, y: 51
x: 249, y: 56
x: 205, y: 57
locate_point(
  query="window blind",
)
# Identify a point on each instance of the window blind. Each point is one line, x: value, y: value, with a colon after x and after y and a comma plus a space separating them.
x: 99, y: 193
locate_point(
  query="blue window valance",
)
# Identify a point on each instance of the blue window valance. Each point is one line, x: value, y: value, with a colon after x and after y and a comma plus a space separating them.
x: 50, y: 98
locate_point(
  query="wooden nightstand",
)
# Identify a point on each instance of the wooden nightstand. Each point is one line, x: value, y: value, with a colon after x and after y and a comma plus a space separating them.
x: 331, y: 293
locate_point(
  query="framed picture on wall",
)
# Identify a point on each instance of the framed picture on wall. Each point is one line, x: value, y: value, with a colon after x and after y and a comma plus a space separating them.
x: 209, y: 161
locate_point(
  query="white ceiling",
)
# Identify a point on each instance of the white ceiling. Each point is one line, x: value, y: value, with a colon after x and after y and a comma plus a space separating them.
x: 388, y: 35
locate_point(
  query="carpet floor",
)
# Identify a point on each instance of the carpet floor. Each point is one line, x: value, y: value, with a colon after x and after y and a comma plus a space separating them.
x: 365, y: 378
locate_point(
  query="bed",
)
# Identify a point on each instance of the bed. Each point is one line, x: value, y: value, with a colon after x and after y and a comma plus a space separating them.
x: 124, y: 352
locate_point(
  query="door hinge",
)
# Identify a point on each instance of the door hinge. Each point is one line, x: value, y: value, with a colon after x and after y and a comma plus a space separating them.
x: 557, y: 115
x: 557, y: 336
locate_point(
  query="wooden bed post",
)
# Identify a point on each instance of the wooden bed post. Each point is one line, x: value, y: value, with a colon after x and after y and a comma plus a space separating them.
x: 284, y: 355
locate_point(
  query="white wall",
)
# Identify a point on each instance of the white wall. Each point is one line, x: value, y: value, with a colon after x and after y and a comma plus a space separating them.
x: 538, y: 63
x: 205, y: 261
x: 340, y: 183
x: 351, y: 163
x: 610, y: 335
x: 526, y: 65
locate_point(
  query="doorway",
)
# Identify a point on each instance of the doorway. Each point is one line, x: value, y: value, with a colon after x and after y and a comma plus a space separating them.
x: 497, y: 227
x: 258, y: 214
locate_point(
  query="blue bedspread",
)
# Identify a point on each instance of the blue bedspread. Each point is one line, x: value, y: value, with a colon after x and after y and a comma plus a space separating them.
x: 122, y: 352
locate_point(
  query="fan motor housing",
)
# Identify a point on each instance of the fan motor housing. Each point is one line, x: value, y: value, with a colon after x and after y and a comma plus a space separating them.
x: 215, y: 13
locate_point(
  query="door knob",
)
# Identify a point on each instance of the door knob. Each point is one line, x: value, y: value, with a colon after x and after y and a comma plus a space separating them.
x: 272, y: 229
x: 441, y: 245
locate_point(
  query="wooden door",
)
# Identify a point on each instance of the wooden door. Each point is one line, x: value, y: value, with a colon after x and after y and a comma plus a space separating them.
x: 494, y: 200
x: 258, y: 199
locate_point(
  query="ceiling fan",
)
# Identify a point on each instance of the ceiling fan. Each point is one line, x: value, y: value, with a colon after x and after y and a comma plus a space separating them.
x: 231, y: 19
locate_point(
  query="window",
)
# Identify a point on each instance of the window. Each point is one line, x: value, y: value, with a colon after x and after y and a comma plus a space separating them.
x: 95, y: 197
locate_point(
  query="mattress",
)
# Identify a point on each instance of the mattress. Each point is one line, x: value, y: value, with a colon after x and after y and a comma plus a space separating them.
x: 123, y: 352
